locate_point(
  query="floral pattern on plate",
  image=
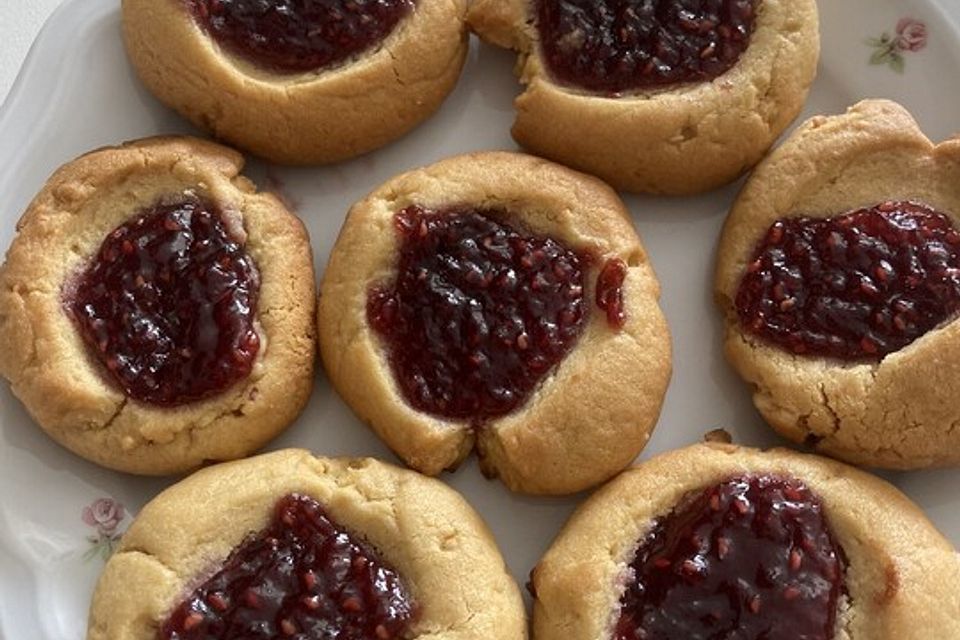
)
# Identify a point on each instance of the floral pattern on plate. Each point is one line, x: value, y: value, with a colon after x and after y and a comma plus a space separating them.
x: 104, y: 516
x: 910, y: 37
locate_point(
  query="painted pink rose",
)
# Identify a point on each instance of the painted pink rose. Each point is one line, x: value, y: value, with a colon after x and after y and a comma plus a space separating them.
x: 911, y: 35
x: 105, y: 515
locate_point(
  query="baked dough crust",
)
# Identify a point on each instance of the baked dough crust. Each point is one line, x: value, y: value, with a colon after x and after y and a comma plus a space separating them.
x: 48, y: 364
x: 308, y: 118
x: 902, y: 412
x: 679, y: 140
x: 421, y: 527
x: 901, y: 576
x: 592, y: 416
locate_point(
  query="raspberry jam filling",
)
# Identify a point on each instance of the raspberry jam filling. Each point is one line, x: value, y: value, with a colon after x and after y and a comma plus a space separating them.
x: 617, y: 46
x: 167, y: 304
x: 292, y: 36
x: 479, y: 313
x: 752, y: 558
x: 855, y: 287
x: 303, y: 577
x: 610, y: 292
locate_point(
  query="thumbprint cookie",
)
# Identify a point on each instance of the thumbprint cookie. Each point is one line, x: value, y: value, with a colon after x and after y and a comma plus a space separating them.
x: 660, y: 96
x: 299, y: 81
x: 287, y: 545
x: 716, y: 541
x: 502, y: 302
x: 839, y: 278
x: 156, y: 311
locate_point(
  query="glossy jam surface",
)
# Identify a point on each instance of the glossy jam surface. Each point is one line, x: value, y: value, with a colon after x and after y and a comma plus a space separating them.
x: 304, y: 577
x: 618, y: 46
x: 854, y: 287
x: 168, y: 304
x: 610, y: 292
x: 479, y: 313
x: 299, y: 35
x: 752, y: 558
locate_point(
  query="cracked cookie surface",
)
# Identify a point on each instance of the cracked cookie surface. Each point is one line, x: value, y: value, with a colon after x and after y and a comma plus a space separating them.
x: 591, y: 410
x: 62, y: 383
x: 898, y: 574
x: 679, y: 138
x: 896, y: 409
x: 358, y: 103
x: 424, y: 530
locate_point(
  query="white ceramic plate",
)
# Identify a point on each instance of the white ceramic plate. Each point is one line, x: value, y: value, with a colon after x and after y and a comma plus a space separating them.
x: 76, y: 92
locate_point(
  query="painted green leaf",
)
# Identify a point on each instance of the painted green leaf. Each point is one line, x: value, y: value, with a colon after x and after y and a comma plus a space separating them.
x: 881, y: 56
x: 897, y: 63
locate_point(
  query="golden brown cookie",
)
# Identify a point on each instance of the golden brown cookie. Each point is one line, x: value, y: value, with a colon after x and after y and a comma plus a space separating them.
x: 849, y: 340
x: 723, y: 541
x: 500, y: 301
x: 637, y: 116
x: 315, y: 83
x: 351, y: 546
x: 156, y: 312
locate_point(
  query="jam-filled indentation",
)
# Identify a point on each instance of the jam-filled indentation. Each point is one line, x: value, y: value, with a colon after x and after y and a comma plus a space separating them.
x: 478, y: 314
x: 292, y: 36
x: 854, y: 287
x: 304, y: 576
x: 618, y: 46
x: 168, y: 303
x: 751, y: 558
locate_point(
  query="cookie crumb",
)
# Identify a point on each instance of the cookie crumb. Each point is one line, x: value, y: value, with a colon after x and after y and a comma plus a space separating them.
x: 718, y: 436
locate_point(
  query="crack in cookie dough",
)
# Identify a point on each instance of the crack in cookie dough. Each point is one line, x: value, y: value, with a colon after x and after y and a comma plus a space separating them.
x: 116, y: 414
x: 146, y: 555
x: 829, y: 408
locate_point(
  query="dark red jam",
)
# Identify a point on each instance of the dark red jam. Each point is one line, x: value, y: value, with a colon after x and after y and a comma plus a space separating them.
x: 304, y: 577
x: 168, y: 303
x: 291, y: 36
x: 610, y: 292
x: 854, y: 287
x: 752, y: 558
x: 479, y: 313
x: 617, y: 46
